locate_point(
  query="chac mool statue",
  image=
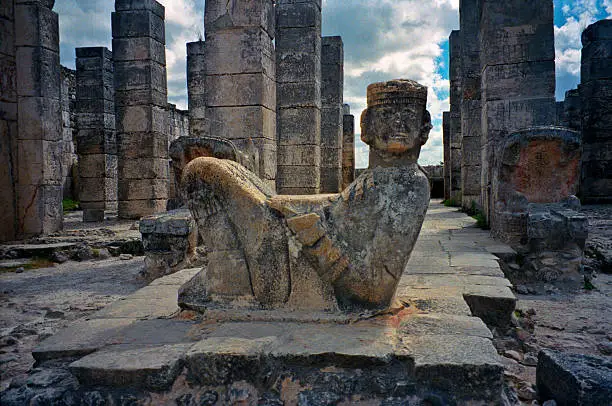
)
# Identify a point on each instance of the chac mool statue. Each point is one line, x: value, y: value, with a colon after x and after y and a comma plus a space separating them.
x: 343, y: 251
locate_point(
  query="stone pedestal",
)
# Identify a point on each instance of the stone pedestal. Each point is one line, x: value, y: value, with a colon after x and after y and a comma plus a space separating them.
x: 455, y: 123
x: 348, y: 147
x: 298, y: 68
x: 196, y: 88
x: 141, y: 101
x: 332, y: 89
x: 596, y: 101
x: 96, y: 137
x: 39, y: 139
x: 518, y: 79
x: 240, y: 84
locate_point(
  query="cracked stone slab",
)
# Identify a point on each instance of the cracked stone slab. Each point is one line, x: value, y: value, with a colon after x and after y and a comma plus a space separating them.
x: 178, y: 278
x: 440, y: 324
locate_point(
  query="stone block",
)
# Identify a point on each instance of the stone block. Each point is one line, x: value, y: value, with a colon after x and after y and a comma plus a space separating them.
x: 299, y: 126
x: 258, y: 13
x: 139, y: 49
x: 253, y: 89
x: 156, y: 97
x: 96, y: 141
x: 332, y: 84
x: 36, y: 26
x: 8, y: 86
x: 144, y: 168
x: 242, y: 122
x: 94, y: 52
x: 140, y: 75
x: 600, y: 30
x: 39, y: 118
x: 94, y: 92
x: 503, y: 116
x: 94, y: 121
x: 151, y: 5
x: 298, y: 177
x: 518, y: 44
x: 520, y: 80
x: 96, y: 165
x: 138, y: 23
x: 298, y: 41
x: 142, y: 145
x: 7, y: 32
x: 93, y: 106
x: 39, y: 162
x: 136, y: 209
x: 293, y: 15
x: 38, y: 73
x: 142, y: 189
x: 574, y: 379
x: 299, y: 94
x: 91, y: 190
x: 39, y: 209
x: 238, y: 52
x: 299, y: 155
x: 331, y: 127
x: 267, y: 156
x: 331, y: 157
x: 331, y: 180
x: 142, y: 119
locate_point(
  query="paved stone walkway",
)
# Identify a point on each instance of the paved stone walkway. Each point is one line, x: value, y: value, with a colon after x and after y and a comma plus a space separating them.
x: 433, y: 344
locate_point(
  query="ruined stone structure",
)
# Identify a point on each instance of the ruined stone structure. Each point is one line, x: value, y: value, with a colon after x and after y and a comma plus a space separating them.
x: 596, y: 103
x: 332, y: 88
x: 31, y: 120
x: 196, y: 88
x: 298, y: 70
x: 96, y: 137
x: 446, y: 143
x: 240, y: 88
x: 536, y: 207
x: 455, y: 123
x: 348, y: 147
x: 328, y: 252
x: 178, y: 123
x: 518, y: 79
x: 69, y: 155
x: 572, y: 110
x: 141, y: 101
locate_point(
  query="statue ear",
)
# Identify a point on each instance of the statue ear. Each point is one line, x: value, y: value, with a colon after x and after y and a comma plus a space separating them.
x: 426, y: 127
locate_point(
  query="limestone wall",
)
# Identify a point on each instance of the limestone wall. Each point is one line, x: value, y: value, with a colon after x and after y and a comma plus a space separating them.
x: 596, y: 104
x: 141, y: 102
x: 298, y: 68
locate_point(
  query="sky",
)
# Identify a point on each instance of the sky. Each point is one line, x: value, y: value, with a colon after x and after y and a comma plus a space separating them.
x: 383, y: 40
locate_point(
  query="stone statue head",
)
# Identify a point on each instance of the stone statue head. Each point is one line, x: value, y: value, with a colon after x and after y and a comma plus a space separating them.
x: 396, y: 121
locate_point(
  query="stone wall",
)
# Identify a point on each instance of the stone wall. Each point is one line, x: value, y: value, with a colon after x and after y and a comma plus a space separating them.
x: 178, y: 123
x: 455, y: 122
x: 241, y: 77
x: 69, y: 156
x: 298, y: 69
x: 348, y: 147
x: 518, y: 79
x: 596, y: 102
x: 141, y: 102
x: 96, y: 136
x: 39, y: 135
x: 572, y: 110
x: 332, y: 88
x: 8, y: 122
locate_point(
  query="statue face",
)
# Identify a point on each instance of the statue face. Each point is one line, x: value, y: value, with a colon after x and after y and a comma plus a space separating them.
x: 395, y: 128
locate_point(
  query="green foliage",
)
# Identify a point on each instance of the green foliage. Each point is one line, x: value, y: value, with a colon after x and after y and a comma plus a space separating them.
x: 588, y: 285
x: 476, y: 214
x: 70, y: 205
x: 451, y: 203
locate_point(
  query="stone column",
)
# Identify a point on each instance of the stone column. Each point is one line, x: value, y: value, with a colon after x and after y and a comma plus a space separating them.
x: 471, y: 159
x: 348, y: 147
x: 241, y: 77
x: 447, y: 154
x: 196, y: 88
x: 68, y: 94
x: 517, y: 52
x: 39, y: 140
x: 96, y: 136
x: 572, y: 110
x: 332, y: 89
x: 141, y: 99
x: 8, y: 122
x: 455, y: 123
x: 596, y: 96
x: 298, y: 69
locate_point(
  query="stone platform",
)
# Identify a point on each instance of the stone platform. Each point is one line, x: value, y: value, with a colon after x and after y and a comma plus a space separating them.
x: 428, y: 347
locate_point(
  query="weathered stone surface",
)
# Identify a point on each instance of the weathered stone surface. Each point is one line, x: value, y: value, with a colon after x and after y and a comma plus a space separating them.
x: 141, y: 115
x: 348, y: 147
x: 222, y: 193
x: 574, y: 379
x: 299, y: 94
x: 595, y: 99
x: 196, y: 87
